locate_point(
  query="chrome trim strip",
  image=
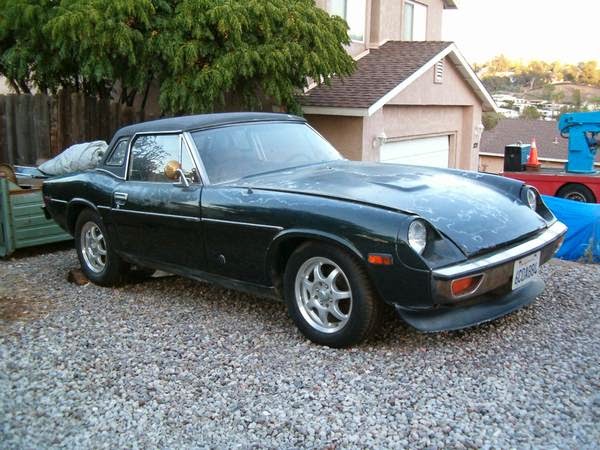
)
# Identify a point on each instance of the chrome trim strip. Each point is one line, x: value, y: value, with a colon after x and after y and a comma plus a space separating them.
x: 193, y: 150
x: 244, y: 224
x: 100, y: 169
x: 56, y: 200
x: 145, y: 213
x: 103, y: 207
x: 551, y: 234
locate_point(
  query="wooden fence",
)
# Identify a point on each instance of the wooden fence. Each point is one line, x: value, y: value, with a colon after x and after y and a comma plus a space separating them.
x: 34, y: 127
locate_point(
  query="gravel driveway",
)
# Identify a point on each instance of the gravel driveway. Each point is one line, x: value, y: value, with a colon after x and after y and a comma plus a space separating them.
x: 175, y: 363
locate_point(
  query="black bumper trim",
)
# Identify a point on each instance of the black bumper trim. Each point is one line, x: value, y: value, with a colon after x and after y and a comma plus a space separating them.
x: 487, y: 308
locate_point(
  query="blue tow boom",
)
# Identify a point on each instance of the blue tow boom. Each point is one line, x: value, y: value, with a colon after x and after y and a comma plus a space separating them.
x: 583, y: 131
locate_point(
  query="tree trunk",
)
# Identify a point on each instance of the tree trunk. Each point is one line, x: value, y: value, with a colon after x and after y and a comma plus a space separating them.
x: 131, y: 97
x: 146, y: 91
x: 14, y: 86
x: 24, y: 88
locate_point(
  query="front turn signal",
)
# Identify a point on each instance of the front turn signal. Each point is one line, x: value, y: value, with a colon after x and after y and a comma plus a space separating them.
x: 380, y: 259
x: 465, y: 285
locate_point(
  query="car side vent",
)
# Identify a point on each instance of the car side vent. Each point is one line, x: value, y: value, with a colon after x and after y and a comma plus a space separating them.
x: 438, y: 72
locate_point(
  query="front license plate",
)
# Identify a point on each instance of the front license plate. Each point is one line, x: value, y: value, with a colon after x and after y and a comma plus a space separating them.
x: 525, y: 270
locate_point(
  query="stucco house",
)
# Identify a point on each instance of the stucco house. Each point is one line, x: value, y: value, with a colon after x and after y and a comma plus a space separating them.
x: 412, y: 99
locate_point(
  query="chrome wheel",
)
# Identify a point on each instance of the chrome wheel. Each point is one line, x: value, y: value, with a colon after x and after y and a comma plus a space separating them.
x: 93, y: 247
x: 576, y: 196
x: 323, y: 294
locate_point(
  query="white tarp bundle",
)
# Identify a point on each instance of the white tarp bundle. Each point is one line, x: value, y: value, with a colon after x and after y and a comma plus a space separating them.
x: 75, y: 158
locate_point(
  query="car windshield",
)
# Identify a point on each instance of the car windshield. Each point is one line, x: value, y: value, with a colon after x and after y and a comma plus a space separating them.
x: 244, y: 150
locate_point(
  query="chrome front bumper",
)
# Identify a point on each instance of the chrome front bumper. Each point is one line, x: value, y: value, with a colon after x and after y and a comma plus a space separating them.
x: 497, y: 267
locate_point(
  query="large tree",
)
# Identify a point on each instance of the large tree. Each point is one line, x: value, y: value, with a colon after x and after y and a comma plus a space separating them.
x: 203, y: 54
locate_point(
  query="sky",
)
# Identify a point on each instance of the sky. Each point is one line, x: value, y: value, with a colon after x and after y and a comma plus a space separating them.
x: 550, y: 30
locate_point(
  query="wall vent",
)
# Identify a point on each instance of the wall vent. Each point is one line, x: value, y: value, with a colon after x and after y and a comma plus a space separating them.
x: 438, y: 72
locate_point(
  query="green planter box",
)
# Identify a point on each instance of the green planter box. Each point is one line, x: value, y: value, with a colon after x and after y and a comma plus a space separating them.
x: 22, y: 220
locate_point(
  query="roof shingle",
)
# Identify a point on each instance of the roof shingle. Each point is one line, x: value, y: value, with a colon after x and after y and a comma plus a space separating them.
x: 376, y: 74
x: 549, y: 142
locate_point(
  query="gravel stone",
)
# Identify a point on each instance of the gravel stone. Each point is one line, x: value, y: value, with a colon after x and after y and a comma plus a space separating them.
x: 175, y: 363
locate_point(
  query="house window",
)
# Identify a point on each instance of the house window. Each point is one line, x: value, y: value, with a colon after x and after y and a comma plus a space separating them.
x: 355, y: 13
x: 415, y: 22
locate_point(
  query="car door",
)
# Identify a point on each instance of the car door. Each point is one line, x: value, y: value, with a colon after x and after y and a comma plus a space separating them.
x: 237, y: 222
x: 158, y: 218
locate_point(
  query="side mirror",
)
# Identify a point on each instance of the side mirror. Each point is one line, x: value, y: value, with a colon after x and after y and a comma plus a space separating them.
x: 173, y: 172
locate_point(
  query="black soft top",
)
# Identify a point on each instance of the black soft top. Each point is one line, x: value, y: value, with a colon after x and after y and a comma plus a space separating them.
x: 189, y: 123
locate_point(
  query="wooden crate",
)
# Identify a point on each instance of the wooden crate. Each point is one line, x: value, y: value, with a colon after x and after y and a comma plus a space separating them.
x: 22, y: 220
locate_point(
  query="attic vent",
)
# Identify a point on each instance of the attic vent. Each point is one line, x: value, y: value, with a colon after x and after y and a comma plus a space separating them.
x: 438, y: 72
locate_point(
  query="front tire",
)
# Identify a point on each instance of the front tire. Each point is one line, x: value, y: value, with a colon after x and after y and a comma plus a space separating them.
x: 329, y: 296
x: 98, y: 260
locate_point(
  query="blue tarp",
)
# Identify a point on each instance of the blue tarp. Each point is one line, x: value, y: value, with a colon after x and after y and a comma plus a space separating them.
x: 582, y: 242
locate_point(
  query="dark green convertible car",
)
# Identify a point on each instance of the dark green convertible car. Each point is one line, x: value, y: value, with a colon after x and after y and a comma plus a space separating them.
x: 262, y: 203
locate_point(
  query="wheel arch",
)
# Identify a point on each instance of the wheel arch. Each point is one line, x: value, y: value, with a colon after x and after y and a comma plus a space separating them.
x: 286, y: 242
x: 74, y: 208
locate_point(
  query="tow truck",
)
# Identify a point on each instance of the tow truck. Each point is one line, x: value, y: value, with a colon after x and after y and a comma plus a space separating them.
x: 578, y: 180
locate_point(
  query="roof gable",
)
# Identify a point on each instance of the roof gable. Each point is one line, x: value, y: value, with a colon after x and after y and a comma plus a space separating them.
x: 382, y: 74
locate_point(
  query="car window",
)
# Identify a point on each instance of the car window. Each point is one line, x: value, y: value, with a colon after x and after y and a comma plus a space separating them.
x: 150, y: 154
x: 117, y: 157
x: 239, y: 151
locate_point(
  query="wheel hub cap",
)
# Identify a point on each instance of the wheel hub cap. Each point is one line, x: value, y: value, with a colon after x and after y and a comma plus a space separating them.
x: 323, y: 294
x: 93, y: 247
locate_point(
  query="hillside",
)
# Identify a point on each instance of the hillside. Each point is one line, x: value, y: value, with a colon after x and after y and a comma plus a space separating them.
x: 566, y: 91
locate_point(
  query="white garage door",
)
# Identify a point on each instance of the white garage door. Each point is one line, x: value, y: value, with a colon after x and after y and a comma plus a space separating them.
x: 431, y: 151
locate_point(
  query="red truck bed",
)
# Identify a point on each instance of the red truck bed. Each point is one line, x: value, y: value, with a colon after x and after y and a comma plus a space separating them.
x: 559, y: 183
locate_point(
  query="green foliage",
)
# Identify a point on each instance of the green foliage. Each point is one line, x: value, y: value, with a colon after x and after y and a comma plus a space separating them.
x: 203, y: 54
x: 576, y: 99
x: 490, y: 120
x: 548, y: 92
x: 530, y: 112
x: 497, y: 83
x: 242, y: 51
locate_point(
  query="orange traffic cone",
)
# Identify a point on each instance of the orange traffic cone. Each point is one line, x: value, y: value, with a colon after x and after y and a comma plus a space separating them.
x: 532, y: 162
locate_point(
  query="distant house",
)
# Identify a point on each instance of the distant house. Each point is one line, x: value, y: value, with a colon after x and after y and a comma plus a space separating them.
x: 552, y: 147
x: 413, y: 99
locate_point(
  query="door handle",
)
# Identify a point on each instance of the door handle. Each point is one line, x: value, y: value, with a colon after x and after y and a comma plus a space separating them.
x: 120, y: 198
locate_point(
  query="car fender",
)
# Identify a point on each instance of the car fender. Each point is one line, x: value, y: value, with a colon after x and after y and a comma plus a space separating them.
x: 273, y: 251
x: 74, y: 207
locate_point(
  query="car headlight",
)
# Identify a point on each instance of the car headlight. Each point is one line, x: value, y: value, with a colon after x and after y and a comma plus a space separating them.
x: 532, y: 198
x: 417, y: 235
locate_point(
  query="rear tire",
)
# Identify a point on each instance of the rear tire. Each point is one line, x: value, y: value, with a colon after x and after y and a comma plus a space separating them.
x: 576, y: 192
x: 329, y: 296
x: 97, y: 257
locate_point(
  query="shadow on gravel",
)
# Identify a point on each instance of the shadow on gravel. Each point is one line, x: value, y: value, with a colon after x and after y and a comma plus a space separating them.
x: 29, y: 252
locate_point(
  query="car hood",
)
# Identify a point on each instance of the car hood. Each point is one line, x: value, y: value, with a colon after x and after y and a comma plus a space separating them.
x: 476, y: 211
